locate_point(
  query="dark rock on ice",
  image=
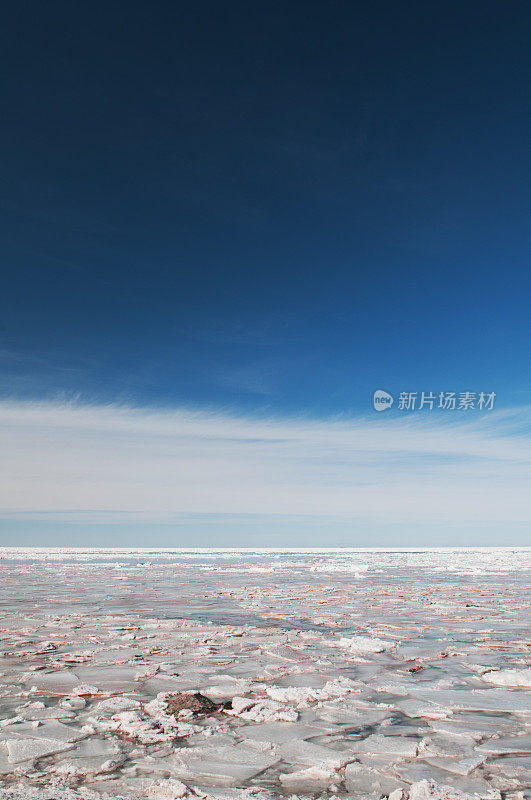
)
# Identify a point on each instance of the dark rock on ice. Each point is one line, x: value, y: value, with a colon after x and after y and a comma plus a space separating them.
x: 195, y: 702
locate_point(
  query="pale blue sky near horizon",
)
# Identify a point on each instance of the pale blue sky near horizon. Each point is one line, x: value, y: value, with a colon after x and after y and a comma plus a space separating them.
x: 251, y: 217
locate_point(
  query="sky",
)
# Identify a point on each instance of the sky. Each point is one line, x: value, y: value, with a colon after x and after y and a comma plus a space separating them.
x: 223, y: 227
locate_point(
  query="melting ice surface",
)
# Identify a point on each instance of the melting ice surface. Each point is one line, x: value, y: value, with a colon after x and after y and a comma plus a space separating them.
x: 330, y: 673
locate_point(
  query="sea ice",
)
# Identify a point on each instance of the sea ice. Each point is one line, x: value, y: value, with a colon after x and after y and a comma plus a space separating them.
x: 280, y: 731
x: 476, y: 699
x: 132, y: 725
x: 304, y: 753
x: 312, y: 779
x: 388, y: 745
x: 398, y: 794
x: 114, y: 705
x: 39, y: 711
x: 6, y: 767
x: 223, y: 766
x: 509, y: 677
x: 417, y: 708
x: 364, y: 644
x: 430, y: 790
x: 47, y: 729
x: 254, y: 710
x: 31, y: 749
x: 304, y: 695
x: 361, y: 780
x: 447, y: 745
x: 512, y: 767
x: 167, y: 789
x: 83, y: 768
x: 428, y: 684
x: 459, y: 766
x: 508, y: 744
x: 76, y: 702
x: 351, y: 714
x: 420, y: 771
x: 475, y: 725
x: 54, y: 683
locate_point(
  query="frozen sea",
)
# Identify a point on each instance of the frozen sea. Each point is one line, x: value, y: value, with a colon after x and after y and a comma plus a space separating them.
x: 322, y: 673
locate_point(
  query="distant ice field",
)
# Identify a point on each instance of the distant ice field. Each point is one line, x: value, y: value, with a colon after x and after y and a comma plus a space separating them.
x: 294, y: 561
x: 181, y: 582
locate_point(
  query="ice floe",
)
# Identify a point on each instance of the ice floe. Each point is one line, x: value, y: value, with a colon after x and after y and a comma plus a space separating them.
x: 508, y: 677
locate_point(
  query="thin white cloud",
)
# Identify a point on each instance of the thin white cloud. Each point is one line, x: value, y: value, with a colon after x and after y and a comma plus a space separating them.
x: 85, y: 462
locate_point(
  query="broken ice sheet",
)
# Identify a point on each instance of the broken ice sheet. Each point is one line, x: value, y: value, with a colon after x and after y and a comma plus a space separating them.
x: 419, y: 771
x: 281, y: 731
x: 388, y: 745
x: 254, y: 710
x: 505, y: 745
x: 428, y: 789
x: 425, y: 685
x: 422, y: 709
x: 227, y: 688
x: 39, y: 711
x: 304, y: 753
x: 447, y: 745
x: 48, y: 729
x: 311, y: 779
x: 223, y: 766
x: 349, y: 713
x: 501, y: 700
x: 31, y: 749
x: 54, y: 683
x: 363, y: 644
x: 362, y: 780
x: 475, y: 725
x: 167, y: 789
x: 459, y: 766
x: 509, y: 677
x: 514, y: 768
x: 114, y: 705
x: 6, y: 766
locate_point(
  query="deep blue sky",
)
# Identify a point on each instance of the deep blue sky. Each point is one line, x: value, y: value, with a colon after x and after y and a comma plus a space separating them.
x: 265, y: 205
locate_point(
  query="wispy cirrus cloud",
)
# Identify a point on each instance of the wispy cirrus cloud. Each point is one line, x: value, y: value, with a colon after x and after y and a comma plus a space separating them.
x: 87, y: 462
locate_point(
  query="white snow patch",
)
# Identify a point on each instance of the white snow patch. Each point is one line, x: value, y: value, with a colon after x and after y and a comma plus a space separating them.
x: 364, y: 644
x: 508, y: 677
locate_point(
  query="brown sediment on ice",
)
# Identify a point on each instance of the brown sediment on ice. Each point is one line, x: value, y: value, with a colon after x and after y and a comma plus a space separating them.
x: 195, y: 702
